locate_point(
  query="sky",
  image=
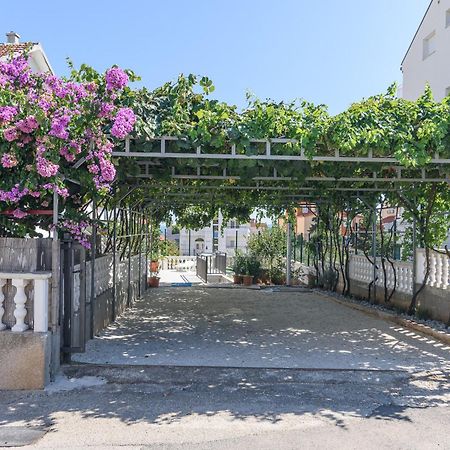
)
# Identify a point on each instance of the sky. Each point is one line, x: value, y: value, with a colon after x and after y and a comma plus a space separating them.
x: 327, y: 51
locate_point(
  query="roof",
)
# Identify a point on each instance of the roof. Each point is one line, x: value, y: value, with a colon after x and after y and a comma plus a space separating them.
x: 389, y: 219
x: 417, y: 32
x: 7, y: 49
x: 36, y: 53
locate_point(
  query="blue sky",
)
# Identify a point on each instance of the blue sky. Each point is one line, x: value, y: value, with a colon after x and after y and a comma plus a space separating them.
x: 327, y: 51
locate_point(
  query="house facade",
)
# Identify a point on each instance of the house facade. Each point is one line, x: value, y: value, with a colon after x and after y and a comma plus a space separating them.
x: 428, y: 57
x: 217, y: 237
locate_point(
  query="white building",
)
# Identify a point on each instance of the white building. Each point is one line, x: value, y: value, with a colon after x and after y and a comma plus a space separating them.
x: 215, y: 239
x: 428, y: 57
x: 37, y: 58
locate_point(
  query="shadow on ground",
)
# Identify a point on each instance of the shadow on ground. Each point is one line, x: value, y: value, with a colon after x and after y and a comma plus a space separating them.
x: 169, y: 395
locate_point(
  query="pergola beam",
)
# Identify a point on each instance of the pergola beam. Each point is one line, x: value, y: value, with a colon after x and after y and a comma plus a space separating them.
x: 267, y: 155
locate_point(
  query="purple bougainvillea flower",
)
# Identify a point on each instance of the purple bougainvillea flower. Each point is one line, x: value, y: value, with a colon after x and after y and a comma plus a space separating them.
x: 115, y: 79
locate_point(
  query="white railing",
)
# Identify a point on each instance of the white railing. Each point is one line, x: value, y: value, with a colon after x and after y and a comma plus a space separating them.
x: 23, y: 285
x: 180, y: 263
x: 439, y: 274
x: 362, y: 270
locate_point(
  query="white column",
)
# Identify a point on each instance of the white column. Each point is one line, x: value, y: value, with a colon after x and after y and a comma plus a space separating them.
x: 432, y: 280
x: 439, y: 271
x: 19, y: 300
x: 41, y: 306
x: 445, y: 272
x: 2, y: 299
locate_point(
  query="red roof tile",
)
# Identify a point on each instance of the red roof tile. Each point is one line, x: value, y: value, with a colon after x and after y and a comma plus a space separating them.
x: 7, y: 49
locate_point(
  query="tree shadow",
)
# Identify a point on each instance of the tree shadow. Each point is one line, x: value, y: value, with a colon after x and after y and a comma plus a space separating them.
x: 168, y: 395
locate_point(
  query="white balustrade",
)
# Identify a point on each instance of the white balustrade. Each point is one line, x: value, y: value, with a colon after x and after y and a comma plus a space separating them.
x: 180, y: 263
x: 361, y: 269
x: 439, y: 272
x: 40, y: 284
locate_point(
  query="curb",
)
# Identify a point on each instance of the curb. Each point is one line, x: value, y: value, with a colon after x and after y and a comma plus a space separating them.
x: 441, y: 336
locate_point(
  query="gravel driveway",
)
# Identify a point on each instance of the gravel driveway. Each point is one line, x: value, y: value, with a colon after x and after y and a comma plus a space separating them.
x: 259, y: 328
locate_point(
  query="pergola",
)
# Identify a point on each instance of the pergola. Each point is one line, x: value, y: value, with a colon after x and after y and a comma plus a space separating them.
x: 172, y: 172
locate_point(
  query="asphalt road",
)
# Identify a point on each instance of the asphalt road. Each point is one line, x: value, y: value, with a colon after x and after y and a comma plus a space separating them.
x: 229, y: 369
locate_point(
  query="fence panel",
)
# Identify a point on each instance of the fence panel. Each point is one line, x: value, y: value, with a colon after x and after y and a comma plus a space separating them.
x: 202, y: 268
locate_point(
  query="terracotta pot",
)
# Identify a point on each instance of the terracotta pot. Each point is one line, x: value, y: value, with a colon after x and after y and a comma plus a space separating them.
x: 153, y: 282
x: 247, y: 280
x: 237, y: 279
x: 154, y: 266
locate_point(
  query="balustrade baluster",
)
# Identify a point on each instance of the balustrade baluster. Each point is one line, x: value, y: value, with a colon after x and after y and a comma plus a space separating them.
x: 432, y: 275
x: 445, y: 272
x: 439, y: 271
x: 19, y: 300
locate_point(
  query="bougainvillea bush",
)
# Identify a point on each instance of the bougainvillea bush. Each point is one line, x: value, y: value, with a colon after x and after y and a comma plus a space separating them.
x: 56, y: 135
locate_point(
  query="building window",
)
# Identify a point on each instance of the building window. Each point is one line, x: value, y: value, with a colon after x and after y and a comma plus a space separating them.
x: 447, y: 18
x: 429, y: 45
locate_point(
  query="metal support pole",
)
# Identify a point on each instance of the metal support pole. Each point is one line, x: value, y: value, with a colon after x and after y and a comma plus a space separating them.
x: 294, y: 244
x: 236, y: 243
x: 189, y: 234
x: 140, y: 255
x: 114, y: 263
x: 146, y: 250
x: 55, y: 307
x: 129, y: 258
x: 414, y: 255
x: 151, y: 244
x: 301, y: 247
x: 308, y: 262
x: 288, y: 254
x: 395, y: 239
x: 374, y: 252
x: 93, y: 256
x: 356, y: 238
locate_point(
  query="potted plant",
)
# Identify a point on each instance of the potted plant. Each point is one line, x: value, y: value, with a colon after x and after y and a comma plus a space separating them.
x: 153, y: 279
x: 238, y: 267
x: 252, y: 269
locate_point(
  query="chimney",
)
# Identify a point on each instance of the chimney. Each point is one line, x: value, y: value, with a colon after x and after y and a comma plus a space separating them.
x: 12, y: 38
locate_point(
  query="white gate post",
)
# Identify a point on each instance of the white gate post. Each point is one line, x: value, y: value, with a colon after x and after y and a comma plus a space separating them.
x: 2, y: 299
x: 41, y: 305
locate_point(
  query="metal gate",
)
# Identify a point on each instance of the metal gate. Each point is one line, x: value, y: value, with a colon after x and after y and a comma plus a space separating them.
x: 74, y: 308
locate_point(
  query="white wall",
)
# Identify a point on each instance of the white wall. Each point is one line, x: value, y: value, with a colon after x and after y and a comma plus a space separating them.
x: 225, y: 236
x: 434, y: 69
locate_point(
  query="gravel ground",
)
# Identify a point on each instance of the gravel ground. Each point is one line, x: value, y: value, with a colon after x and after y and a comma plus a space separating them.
x: 259, y: 328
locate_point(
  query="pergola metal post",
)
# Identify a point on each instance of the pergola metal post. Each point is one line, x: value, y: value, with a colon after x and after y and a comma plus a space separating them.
x: 189, y: 242
x: 301, y: 247
x: 374, y: 252
x: 151, y: 241
x: 146, y: 249
x: 93, y: 256
x: 55, y: 307
x: 140, y: 254
x: 129, y: 256
x: 414, y: 255
x: 114, y: 263
x: 288, y: 254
